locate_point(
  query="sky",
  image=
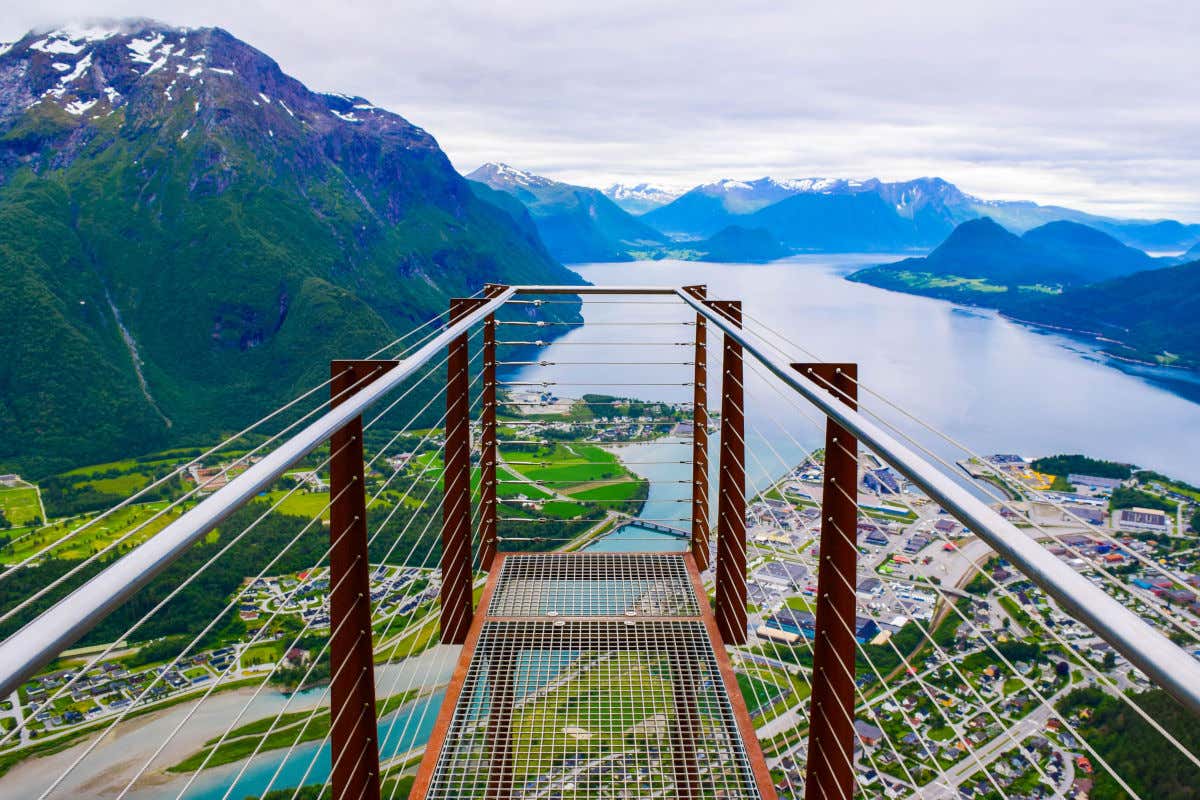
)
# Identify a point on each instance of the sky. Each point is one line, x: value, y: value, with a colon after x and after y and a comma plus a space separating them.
x: 1086, y: 104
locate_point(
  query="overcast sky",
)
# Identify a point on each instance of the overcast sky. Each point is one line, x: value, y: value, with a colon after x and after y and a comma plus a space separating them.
x: 1091, y: 104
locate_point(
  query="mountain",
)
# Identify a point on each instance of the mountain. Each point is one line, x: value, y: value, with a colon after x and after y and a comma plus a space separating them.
x: 188, y: 236
x: 641, y: 197
x: 1149, y: 316
x: 981, y: 262
x: 836, y: 223
x: 577, y: 223
x: 710, y: 207
x: 824, y: 214
x: 913, y: 214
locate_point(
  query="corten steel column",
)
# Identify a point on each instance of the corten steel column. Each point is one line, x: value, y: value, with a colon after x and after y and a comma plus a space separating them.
x: 829, y: 772
x: 731, y: 485
x: 355, y: 751
x: 489, y: 452
x: 700, y: 510
x: 457, y: 608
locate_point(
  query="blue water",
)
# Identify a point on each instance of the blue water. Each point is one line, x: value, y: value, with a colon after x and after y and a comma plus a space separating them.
x: 410, y: 726
x: 636, y: 540
x: 993, y: 384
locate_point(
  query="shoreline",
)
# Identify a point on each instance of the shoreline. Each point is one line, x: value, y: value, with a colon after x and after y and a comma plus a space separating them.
x: 105, y: 772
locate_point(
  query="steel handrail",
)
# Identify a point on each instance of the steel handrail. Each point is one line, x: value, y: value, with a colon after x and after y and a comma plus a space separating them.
x: 41, y: 640
x: 1168, y: 665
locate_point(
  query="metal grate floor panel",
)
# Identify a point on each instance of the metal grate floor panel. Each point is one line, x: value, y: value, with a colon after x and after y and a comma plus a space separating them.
x: 594, y: 584
x: 593, y: 709
x: 593, y: 676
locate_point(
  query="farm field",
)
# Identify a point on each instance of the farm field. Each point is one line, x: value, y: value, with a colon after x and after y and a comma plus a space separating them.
x: 94, y: 538
x: 20, y: 505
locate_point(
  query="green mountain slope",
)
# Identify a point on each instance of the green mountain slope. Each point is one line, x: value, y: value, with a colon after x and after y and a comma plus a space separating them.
x: 189, y: 235
x: 982, y: 263
x: 1150, y: 316
x: 577, y: 223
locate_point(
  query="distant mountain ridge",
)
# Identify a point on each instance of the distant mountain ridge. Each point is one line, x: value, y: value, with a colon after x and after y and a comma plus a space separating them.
x: 1151, y: 316
x: 577, y: 223
x: 980, y: 261
x: 914, y: 214
x: 640, y: 198
x: 189, y: 235
x: 1063, y: 275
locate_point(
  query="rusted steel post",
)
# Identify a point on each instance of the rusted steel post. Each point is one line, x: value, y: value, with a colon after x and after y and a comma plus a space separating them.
x: 700, y: 529
x: 731, y: 484
x: 355, y: 750
x: 829, y: 772
x: 457, y: 608
x: 488, y: 450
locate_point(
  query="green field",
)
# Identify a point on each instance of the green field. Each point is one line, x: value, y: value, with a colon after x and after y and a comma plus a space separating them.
x: 760, y: 685
x: 566, y: 464
x: 301, y: 503
x: 94, y: 538
x: 20, y: 505
x: 609, y: 492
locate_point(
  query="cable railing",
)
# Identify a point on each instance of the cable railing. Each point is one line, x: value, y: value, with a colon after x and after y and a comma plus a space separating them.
x: 913, y: 686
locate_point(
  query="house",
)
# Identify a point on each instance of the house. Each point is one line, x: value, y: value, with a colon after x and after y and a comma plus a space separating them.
x: 882, y: 481
x: 1094, y: 482
x: 916, y: 544
x: 1143, y: 519
x: 1092, y: 516
x: 865, y: 629
x: 867, y: 733
x: 870, y: 587
x: 782, y: 573
x: 790, y: 620
x: 945, y: 526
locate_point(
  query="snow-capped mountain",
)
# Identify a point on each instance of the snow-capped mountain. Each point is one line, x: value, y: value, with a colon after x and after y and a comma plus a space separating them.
x: 641, y: 197
x: 577, y: 223
x: 502, y: 176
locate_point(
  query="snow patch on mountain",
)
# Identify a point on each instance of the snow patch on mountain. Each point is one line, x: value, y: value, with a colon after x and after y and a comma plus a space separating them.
x: 142, y: 48
x: 494, y: 173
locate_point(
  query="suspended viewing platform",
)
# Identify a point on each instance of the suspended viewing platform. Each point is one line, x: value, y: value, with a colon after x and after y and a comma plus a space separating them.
x: 597, y: 543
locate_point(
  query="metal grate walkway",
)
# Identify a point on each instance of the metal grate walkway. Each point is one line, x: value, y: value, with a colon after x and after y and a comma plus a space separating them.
x: 593, y: 675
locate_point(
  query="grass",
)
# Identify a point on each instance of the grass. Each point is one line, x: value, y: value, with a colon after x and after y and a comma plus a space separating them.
x: 123, y: 485
x: 20, y: 505
x: 94, y: 538
x: 265, y: 653
x: 798, y: 603
x: 760, y: 685
x: 927, y: 280
x: 302, y: 503
x: 606, y: 492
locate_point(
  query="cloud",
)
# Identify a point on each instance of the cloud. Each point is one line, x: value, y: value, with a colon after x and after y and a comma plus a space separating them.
x: 1089, y: 104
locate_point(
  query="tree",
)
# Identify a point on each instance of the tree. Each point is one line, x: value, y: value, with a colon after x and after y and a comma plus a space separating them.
x: 1062, y: 669
x: 1110, y: 661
